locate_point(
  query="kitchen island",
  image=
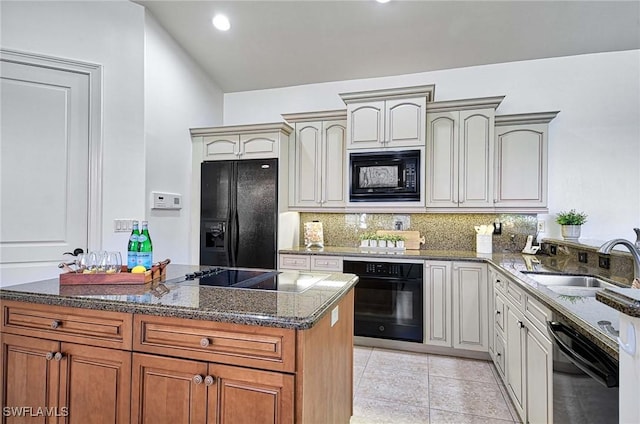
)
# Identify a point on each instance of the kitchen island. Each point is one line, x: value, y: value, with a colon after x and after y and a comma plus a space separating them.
x: 180, y: 350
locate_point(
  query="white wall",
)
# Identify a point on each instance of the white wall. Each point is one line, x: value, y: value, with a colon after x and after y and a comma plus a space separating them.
x: 178, y: 96
x: 173, y: 90
x: 110, y: 34
x: 594, y: 142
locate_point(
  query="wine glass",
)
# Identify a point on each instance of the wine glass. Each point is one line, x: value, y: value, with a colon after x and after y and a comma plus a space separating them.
x: 113, y: 262
x: 92, y: 262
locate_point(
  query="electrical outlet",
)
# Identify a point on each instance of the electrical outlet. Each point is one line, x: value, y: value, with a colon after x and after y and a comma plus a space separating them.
x: 541, y: 226
x: 582, y: 257
x: 604, y: 262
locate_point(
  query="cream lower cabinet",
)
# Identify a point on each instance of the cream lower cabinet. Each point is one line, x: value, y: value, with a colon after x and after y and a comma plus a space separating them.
x: 522, y: 351
x: 317, y: 159
x: 310, y: 262
x: 456, y: 305
x: 437, y: 304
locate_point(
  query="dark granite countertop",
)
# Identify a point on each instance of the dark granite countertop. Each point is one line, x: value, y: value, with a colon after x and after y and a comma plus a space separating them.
x: 624, y: 300
x: 583, y: 312
x: 316, y: 294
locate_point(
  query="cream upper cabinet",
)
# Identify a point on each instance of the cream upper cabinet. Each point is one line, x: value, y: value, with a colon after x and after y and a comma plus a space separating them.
x: 261, y: 141
x: 460, y: 143
x: 521, y: 146
x: 387, y: 118
x: 317, y: 160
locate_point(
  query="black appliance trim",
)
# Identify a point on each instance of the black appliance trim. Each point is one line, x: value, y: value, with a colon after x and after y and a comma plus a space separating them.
x: 395, y: 194
x: 600, y: 366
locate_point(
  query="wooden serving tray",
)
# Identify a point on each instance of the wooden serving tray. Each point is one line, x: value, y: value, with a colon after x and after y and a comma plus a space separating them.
x: 412, y: 239
x: 157, y: 272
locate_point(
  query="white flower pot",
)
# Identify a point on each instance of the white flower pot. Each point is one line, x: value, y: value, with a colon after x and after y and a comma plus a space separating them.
x: 571, y: 232
x: 382, y: 243
x: 364, y: 243
x: 400, y: 244
x: 373, y: 243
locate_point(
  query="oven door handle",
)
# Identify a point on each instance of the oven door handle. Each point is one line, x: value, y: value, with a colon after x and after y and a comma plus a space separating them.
x: 607, y: 377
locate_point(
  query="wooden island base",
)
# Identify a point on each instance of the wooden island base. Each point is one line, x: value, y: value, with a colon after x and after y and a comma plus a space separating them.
x: 103, y: 366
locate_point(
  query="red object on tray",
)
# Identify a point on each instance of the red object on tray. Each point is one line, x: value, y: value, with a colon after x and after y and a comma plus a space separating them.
x: 157, y: 272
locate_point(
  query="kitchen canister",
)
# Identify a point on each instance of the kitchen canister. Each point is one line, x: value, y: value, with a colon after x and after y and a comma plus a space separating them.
x: 484, y: 243
x: 313, y: 234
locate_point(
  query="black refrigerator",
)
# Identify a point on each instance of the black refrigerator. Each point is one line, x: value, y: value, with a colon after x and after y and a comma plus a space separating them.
x: 238, y: 213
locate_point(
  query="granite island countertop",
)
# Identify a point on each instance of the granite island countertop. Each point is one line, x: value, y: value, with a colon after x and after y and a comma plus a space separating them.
x: 584, y: 313
x: 317, y: 293
x: 624, y: 300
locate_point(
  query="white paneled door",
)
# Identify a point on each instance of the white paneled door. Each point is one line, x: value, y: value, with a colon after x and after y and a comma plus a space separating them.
x: 45, y: 172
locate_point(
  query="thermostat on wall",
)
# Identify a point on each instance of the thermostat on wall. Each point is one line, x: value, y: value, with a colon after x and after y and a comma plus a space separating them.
x: 166, y: 201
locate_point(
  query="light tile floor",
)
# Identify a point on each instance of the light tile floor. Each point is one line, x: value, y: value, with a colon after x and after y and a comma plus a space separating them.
x: 394, y: 387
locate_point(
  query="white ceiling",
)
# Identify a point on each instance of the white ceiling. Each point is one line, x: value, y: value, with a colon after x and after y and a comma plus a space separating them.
x: 283, y: 43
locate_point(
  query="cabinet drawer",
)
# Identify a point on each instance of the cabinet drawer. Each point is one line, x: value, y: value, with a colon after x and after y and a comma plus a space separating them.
x: 500, y: 283
x: 500, y: 348
x: 499, y: 312
x: 235, y: 344
x: 85, y: 326
x: 326, y: 263
x: 302, y: 262
x: 515, y: 295
x: 537, y: 313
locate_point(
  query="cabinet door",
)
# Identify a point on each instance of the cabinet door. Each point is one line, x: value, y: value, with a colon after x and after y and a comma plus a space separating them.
x: 250, y: 396
x: 259, y: 146
x: 475, y: 159
x: 405, y: 122
x: 515, y: 365
x: 521, y: 166
x: 437, y: 303
x: 222, y: 147
x: 365, y: 125
x: 442, y: 160
x: 30, y: 378
x: 307, y: 164
x: 470, y: 329
x: 333, y: 164
x: 539, y: 373
x: 96, y: 384
x: 168, y: 390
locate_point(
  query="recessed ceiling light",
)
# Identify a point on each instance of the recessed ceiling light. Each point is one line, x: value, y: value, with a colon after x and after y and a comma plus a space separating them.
x: 382, y: 1
x: 221, y: 22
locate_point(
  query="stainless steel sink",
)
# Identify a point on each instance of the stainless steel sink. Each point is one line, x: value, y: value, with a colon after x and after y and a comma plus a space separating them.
x: 577, y: 285
x: 569, y: 280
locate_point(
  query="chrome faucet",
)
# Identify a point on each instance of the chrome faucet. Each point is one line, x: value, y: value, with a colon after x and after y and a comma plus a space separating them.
x: 635, y: 252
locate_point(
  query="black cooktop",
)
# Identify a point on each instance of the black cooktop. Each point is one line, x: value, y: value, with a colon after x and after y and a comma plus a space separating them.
x: 235, y: 278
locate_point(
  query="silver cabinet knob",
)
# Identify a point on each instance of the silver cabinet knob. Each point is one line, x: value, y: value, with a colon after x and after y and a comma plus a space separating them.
x: 204, y: 342
x: 197, y: 379
x: 209, y: 380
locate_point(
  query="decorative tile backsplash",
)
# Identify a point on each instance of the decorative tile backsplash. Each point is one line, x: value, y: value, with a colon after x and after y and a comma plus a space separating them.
x: 441, y: 231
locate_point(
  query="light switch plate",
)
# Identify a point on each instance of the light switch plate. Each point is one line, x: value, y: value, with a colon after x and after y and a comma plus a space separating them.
x: 122, y: 225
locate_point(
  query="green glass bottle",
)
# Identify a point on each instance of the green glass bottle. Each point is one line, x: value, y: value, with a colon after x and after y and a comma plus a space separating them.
x: 145, y: 248
x: 132, y: 248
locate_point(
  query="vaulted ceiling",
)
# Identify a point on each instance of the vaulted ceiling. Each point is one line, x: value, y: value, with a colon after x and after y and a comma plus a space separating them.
x: 283, y: 43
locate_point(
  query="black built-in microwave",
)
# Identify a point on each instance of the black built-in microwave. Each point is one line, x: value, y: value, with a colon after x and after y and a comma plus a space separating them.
x: 389, y: 176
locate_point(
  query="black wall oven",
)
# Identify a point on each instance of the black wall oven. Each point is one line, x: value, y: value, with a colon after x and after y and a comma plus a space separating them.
x: 390, y: 176
x: 388, y: 299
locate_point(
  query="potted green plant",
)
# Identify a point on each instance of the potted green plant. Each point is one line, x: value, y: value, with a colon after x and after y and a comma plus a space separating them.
x: 571, y: 223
